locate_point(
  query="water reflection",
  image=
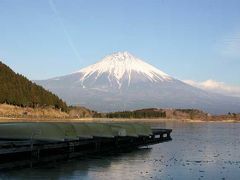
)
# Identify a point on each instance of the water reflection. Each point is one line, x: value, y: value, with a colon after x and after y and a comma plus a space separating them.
x: 84, y: 167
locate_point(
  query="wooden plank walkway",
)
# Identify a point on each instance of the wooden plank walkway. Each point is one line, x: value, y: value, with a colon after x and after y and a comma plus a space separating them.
x: 16, y: 153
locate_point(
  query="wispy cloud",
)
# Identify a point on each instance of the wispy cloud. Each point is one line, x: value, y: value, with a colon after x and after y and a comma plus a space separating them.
x: 230, y: 45
x: 63, y: 27
x: 215, y: 86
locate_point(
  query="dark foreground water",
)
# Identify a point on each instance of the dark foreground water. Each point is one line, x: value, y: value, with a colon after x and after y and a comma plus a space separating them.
x: 197, y: 151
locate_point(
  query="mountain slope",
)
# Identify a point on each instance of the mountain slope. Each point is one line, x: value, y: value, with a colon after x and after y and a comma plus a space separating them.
x: 17, y: 90
x: 123, y: 82
x: 121, y: 67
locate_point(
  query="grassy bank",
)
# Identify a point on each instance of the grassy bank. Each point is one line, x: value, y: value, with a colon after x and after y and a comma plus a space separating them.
x: 10, y: 113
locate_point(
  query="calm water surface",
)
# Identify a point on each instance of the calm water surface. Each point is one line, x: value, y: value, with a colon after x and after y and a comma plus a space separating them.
x: 197, y: 151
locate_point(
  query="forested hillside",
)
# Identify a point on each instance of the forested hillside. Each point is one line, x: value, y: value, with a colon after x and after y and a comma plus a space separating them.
x: 17, y: 90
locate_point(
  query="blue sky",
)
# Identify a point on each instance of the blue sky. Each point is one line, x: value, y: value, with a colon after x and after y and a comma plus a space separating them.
x: 189, y: 39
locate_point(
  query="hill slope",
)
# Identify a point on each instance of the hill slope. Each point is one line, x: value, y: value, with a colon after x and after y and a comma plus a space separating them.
x: 17, y: 90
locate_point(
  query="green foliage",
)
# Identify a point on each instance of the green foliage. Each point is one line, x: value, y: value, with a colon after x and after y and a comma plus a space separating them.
x: 15, y: 89
x: 144, y: 113
x: 188, y: 111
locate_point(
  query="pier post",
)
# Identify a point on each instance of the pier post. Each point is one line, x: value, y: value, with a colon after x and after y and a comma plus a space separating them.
x: 168, y: 135
x: 97, y: 145
x: 116, y: 142
x: 71, y: 147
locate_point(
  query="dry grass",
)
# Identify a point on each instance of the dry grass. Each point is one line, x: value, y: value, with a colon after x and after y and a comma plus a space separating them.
x: 10, y: 111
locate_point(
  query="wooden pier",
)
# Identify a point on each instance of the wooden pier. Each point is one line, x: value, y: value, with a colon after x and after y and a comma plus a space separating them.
x: 27, y: 153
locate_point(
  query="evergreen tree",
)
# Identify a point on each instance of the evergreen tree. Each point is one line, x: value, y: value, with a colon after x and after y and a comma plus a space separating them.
x: 17, y: 90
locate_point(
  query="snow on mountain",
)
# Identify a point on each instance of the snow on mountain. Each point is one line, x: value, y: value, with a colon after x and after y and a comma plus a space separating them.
x: 120, y: 65
x: 123, y: 82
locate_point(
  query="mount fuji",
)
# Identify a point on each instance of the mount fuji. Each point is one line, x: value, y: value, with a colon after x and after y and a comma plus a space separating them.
x: 122, y: 81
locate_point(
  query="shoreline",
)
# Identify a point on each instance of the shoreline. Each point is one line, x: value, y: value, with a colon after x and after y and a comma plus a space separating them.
x: 154, y: 120
x: 11, y: 113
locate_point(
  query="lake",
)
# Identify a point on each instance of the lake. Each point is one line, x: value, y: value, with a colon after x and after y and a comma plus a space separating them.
x: 197, y: 151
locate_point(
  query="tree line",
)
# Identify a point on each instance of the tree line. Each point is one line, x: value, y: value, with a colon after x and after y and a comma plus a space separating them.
x: 15, y: 89
x: 134, y: 114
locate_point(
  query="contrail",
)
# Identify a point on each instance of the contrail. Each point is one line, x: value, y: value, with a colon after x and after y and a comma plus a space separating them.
x: 68, y: 37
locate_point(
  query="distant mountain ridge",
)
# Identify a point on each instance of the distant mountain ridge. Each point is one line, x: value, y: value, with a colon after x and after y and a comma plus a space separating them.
x: 15, y: 89
x: 122, y: 82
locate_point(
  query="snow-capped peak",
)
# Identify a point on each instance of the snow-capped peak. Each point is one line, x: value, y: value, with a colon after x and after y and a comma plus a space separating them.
x: 122, y: 64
